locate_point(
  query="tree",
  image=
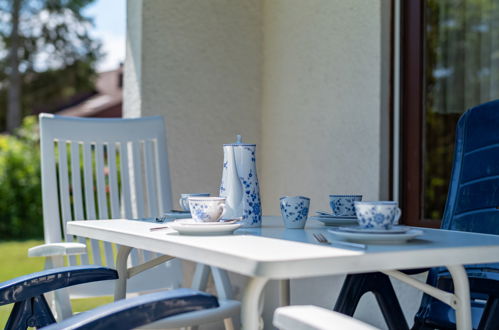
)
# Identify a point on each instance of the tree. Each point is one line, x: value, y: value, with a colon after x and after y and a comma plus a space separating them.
x: 14, y: 101
x: 49, y: 55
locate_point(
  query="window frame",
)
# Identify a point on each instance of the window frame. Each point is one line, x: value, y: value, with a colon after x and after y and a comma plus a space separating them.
x: 412, y: 114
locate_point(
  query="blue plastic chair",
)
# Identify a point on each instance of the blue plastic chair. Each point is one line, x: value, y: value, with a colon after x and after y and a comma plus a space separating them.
x: 473, y: 206
x: 31, y: 309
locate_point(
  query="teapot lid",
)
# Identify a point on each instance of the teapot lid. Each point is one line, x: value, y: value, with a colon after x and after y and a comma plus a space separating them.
x: 239, y: 143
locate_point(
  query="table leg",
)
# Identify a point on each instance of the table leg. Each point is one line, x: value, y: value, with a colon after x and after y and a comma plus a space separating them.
x: 462, y: 303
x: 122, y: 269
x: 222, y: 283
x: 459, y: 300
x: 250, y: 315
x: 200, y: 278
x: 284, y: 293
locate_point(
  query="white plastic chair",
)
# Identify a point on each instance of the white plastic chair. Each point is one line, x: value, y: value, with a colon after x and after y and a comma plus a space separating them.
x: 315, y: 318
x: 108, y: 169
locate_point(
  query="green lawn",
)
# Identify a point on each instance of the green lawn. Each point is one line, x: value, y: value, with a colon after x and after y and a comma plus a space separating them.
x: 14, y: 262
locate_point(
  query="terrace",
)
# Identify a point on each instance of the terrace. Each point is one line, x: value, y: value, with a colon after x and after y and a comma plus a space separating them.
x: 340, y: 97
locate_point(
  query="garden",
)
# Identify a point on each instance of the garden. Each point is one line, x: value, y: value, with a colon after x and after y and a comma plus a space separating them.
x: 21, y: 220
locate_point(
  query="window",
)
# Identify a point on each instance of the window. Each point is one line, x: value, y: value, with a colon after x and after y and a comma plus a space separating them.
x: 450, y: 62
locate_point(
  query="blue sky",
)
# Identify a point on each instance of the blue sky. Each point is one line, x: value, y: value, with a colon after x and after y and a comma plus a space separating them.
x: 110, y: 27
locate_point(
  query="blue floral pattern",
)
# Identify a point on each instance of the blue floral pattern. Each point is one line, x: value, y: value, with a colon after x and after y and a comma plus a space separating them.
x: 377, y: 215
x: 294, y: 211
x: 252, y: 207
x: 199, y: 211
x: 222, y: 185
x: 343, y: 205
x: 206, y: 210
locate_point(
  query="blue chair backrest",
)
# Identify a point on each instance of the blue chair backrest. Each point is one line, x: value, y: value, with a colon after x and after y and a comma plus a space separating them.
x: 473, y: 198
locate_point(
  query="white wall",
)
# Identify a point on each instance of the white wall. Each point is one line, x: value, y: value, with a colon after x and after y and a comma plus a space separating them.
x: 322, y: 104
x: 200, y: 66
x: 132, y: 80
x: 304, y: 79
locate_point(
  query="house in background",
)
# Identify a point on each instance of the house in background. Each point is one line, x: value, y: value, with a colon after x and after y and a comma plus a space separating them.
x: 105, y: 103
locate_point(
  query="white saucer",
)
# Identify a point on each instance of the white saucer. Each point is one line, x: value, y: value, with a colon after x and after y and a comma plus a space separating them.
x: 335, y: 220
x: 377, y: 238
x: 396, y: 230
x: 320, y: 214
x: 329, y: 214
x: 177, y: 215
x: 194, y: 228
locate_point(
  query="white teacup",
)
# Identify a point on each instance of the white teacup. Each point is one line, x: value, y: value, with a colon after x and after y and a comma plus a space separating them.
x: 184, y: 202
x: 207, y: 209
x: 377, y: 215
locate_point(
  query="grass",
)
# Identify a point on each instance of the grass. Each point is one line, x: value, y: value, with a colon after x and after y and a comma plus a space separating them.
x: 14, y: 262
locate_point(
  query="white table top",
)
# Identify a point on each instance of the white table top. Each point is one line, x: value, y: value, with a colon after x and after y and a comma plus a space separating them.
x: 278, y: 253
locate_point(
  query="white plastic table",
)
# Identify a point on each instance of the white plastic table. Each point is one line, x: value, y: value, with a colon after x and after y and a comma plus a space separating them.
x: 273, y: 252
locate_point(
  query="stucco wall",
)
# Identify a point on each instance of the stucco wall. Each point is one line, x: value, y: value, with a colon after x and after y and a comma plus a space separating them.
x: 305, y: 80
x: 321, y: 113
x: 325, y: 118
x: 200, y: 67
x: 132, y: 73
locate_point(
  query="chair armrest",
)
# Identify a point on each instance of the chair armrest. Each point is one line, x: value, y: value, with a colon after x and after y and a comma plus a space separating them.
x: 141, y: 310
x: 480, y: 281
x: 315, y: 318
x: 57, y: 249
x: 36, y: 284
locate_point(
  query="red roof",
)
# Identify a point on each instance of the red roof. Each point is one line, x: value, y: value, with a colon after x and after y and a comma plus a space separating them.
x: 107, y: 102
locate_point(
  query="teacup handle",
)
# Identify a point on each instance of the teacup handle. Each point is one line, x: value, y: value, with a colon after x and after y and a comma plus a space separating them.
x: 222, y: 206
x: 396, y: 218
x: 181, y: 202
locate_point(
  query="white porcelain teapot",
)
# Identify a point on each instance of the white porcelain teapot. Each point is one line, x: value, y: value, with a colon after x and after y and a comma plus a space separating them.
x: 240, y: 183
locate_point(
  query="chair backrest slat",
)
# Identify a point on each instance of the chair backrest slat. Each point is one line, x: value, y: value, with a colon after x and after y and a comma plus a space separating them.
x: 163, y: 175
x: 64, y: 192
x: 63, y: 185
x: 89, y: 188
x: 114, y: 193
x: 102, y: 196
x: 76, y: 181
x: 76, y: 190
x: 132, y: 189
x: 88, y: 181
x: 151, y: 188
x: 125, y: 182
x: 101, y: 181
x: 50, y: 191
x: 137, y: 187
x: 149, y: 161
